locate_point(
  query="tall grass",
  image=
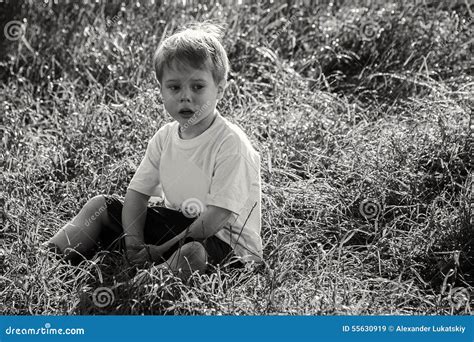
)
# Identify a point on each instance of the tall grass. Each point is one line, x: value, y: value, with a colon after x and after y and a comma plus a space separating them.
x: 359, y: 110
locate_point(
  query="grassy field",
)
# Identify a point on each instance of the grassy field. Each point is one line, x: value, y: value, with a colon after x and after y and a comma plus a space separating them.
x: 361, y: 112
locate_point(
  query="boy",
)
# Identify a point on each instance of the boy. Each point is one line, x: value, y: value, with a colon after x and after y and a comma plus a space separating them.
x: 203, y: 166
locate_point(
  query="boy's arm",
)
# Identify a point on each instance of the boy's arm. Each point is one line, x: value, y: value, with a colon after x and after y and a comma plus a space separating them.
x: 207, y: 224
x: 133, y: 218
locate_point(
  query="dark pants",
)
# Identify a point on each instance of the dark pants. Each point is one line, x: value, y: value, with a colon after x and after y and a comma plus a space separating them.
x: 161, y: 225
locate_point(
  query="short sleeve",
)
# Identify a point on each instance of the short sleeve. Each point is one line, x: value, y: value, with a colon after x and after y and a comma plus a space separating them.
x: 232, y: 183
x: 146, y: 179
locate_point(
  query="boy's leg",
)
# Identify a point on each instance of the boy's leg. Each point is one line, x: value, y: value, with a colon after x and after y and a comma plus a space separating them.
x: 187, y: 259
x: 199, y: 256
x: 80, y: 236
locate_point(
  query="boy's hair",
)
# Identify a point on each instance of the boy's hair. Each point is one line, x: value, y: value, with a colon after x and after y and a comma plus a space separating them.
x: 197, y: 45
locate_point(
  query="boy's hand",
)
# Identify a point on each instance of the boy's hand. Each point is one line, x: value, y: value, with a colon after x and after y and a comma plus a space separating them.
x: 138, y: 255
x: 156, y: 252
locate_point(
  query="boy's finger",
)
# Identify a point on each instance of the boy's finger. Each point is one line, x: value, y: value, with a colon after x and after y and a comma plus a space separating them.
x: 137, y: 257
x: 135, y: 247
x: 136, y: 261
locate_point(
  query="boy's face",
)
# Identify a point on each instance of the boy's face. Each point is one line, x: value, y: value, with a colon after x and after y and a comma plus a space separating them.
x: 190, y: 95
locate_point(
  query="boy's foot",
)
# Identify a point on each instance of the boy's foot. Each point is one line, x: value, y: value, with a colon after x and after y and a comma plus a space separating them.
x: 156, y: 281
x: 149, y: 276
x: 49, y: 249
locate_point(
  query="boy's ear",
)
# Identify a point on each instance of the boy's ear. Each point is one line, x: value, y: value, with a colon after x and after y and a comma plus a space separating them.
x: 160, y: 94
x: 221, y: 88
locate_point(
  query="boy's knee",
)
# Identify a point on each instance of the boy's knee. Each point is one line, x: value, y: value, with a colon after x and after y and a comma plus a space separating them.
x: 96, y: 201
x: 194, y: 252
x: 96, y: 207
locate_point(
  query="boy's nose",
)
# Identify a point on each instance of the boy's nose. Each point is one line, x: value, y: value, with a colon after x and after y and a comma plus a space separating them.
x: 185, y: 96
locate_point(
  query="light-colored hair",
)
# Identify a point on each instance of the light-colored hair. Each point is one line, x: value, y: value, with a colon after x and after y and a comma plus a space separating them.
x: 197, y: 45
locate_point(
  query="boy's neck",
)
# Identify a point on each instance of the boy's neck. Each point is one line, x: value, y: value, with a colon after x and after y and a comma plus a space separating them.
x: 196, y: 130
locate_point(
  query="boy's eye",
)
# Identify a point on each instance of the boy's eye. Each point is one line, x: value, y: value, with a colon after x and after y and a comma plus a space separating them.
x: 176, y: 87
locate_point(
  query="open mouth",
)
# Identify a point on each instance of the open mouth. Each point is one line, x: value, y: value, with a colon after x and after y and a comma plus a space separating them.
x: 186, y: 112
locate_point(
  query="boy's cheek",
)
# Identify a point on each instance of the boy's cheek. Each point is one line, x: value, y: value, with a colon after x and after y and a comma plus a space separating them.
x: 169, y: 103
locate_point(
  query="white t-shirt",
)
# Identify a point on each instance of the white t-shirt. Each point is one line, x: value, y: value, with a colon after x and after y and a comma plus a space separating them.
x: 219, y: 167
